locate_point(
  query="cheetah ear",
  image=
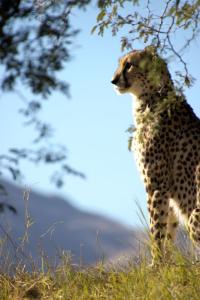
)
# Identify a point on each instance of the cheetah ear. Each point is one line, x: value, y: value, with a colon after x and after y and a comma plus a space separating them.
x: 152, y: 50
x: 148, y: 55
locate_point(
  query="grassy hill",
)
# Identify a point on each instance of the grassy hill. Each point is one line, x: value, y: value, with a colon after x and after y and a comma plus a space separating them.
x: 127, y: 278
x: 179, y: 280
x: 52, y: 225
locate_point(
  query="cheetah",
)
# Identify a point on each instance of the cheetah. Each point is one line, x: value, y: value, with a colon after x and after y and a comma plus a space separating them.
x: 166, y: 144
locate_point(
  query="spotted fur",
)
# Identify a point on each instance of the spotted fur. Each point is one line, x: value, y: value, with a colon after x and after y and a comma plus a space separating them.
x: 166, y: 144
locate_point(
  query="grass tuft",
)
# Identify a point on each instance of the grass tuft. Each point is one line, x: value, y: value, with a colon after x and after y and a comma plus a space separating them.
x: 133, y: 279
x: 177, y: 280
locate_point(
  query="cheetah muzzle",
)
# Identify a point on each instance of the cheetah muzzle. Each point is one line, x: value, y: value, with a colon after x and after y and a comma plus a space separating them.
x: 166, y: 144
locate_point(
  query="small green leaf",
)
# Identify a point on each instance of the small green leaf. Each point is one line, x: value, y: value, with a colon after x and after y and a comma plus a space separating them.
x: 130, y: 143
x: 93, y: 29
x: 101, y: 15
x: 114, y: 10
x: 131, y: 129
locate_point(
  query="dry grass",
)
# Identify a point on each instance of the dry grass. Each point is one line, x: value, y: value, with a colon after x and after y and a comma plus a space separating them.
x: 176, y: 280
x: 179, y: 280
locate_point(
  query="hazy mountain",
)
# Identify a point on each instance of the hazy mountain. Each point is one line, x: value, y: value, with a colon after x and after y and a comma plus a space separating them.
x: 58, y: 225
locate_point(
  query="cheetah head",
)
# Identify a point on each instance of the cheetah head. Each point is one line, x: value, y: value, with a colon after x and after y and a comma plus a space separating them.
x: 140, y: 72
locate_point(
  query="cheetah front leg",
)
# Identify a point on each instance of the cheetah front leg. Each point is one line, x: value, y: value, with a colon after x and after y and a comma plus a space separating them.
x: 172, y: 224
x: 194, y: 226
x: 158, y: 207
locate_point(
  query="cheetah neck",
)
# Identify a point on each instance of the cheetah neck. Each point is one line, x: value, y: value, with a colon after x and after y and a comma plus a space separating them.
x: 141, y: 106
x: 148, y: 99
x: 136, y: 107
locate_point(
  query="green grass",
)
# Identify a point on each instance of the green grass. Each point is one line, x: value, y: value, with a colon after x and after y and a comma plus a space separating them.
x: 180, y: 280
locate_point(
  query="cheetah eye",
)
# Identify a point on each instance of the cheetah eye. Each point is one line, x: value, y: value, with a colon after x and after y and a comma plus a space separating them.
x: 128, y: 65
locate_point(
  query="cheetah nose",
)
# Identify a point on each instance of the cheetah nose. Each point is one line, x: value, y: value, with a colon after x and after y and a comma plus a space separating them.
x: 115, y: 80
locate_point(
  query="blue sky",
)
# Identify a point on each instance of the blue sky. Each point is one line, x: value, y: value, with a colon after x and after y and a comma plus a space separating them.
x: 92, y: 125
